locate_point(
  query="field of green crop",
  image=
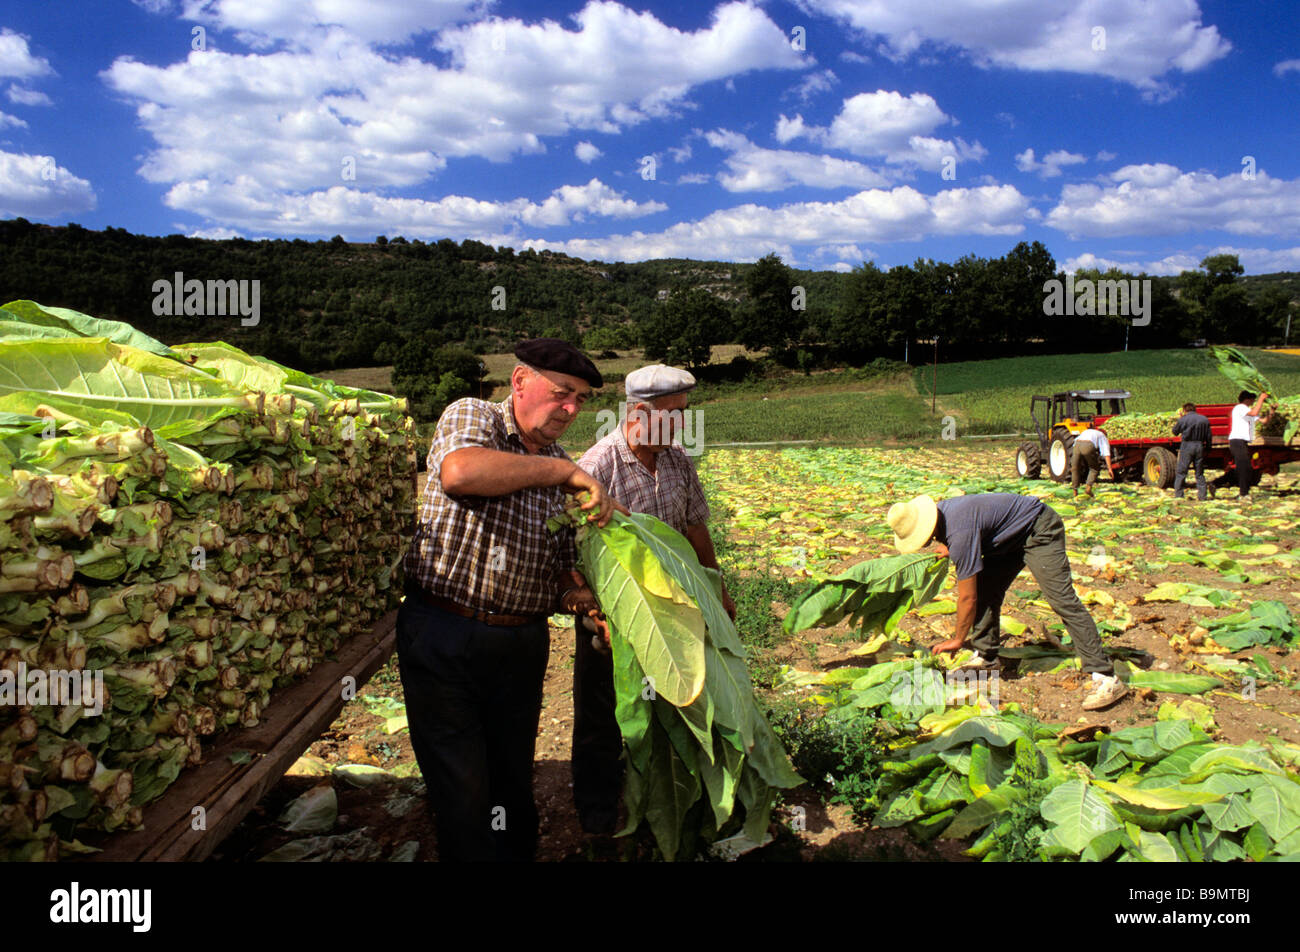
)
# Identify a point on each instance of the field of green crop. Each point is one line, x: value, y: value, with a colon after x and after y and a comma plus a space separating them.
x: 992, y: 396
x: 1197, y: 603
x: 828, y: 417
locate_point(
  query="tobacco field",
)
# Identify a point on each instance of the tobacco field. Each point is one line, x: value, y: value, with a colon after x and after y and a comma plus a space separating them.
x: 1196, y: 602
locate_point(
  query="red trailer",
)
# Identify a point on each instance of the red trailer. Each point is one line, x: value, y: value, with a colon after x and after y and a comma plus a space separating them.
x: 1154, y: 460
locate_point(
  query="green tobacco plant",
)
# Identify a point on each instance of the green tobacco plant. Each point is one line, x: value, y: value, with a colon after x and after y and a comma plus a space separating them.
x: 696, y: 743
x: 1028, y: 790
x: 874, y: 594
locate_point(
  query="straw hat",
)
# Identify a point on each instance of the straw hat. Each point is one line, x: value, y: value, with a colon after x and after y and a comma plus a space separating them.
x: 913, y: 523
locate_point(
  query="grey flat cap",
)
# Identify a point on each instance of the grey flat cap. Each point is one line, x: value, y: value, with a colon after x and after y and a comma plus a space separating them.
x: 657, y: 380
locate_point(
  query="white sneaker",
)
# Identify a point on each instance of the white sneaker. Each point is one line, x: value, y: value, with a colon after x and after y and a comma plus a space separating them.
x: 1106, y: 690
x: 978, y: 662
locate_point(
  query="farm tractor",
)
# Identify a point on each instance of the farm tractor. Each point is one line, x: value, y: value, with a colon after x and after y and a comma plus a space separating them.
x: 1063, y: 417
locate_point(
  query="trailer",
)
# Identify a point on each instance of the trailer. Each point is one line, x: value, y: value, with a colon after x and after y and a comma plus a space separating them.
x: 1154, y: 460
x: 1065, y: 415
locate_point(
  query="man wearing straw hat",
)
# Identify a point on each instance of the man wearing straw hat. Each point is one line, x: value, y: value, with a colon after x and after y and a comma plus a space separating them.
x: 990, y: 537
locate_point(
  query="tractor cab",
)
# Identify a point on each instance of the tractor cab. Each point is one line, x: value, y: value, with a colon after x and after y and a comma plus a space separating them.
x: 1058, y: 419
x: 1075, y: 410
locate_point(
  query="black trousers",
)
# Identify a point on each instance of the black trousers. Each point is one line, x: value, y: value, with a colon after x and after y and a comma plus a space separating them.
x: 1044, y: 554
x: 473, y: 701
x: 1191, y: 453
x: 597, y: 741
x: 1241, y: 456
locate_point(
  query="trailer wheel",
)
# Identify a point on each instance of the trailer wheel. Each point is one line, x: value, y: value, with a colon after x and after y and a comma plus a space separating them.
x: 1029, y: 460
x: 1059, y: 452
x: 1158, y: 467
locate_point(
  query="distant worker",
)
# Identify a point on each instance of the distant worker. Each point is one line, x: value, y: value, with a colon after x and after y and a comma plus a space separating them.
x: 990, y: 537
x: 1090, y: 448
x: 1244, y: 418
x: 1194, y: 431
x: 647, y: 469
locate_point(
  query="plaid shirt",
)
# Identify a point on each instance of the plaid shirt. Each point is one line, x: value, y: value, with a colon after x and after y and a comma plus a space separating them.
x: 672, y: 493
x: 492, y: 553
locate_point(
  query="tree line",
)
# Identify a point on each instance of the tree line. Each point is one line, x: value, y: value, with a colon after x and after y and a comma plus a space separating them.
x: 429, y: 307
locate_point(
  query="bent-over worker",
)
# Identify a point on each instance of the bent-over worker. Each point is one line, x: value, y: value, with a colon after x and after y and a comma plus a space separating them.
x: 990, y: 537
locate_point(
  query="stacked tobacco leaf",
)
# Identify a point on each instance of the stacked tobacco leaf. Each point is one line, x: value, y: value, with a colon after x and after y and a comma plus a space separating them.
x: 696, y: 743
x: 1140, y: 426
x: 194, y: 525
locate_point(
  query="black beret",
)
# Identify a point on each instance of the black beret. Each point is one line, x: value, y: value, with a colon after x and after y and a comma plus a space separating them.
x: 548, y: 353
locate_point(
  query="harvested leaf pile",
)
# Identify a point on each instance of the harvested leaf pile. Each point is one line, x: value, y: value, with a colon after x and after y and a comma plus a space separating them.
x: 1285, y: 419
x: 696, y: 743
x: 1140, y: 426
x: 1027, y: 790
x: 195, y: 524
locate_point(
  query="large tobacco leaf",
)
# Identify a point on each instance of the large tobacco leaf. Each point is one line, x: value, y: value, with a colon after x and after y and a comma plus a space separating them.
x: 94, y: 375
x: 875, y: 593
x: 696, y: 742
x: 651, y: 611
x: 27, y: 320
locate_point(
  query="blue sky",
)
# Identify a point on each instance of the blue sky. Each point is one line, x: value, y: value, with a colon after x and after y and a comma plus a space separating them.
x: 1145, y: 133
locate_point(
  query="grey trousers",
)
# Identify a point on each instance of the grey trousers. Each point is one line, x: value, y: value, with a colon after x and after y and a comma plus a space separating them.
x: 1191, y: 453
x: 1087, y: 458
x: 1043, y: 553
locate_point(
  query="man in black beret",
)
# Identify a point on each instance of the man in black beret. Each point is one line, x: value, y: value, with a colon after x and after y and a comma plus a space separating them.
x: 483, y: 575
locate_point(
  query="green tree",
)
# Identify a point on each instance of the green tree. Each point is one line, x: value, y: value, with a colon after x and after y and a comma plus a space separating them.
x: 431, y: 377
x: 684, y: 329
x: 768, y: 316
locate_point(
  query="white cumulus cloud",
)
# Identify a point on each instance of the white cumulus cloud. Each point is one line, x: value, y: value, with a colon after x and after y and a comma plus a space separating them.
x: 247, y: 204
x: 746, y: 232
x: 1286, y: 66
x: 35, y: 186
x: 586, y: 152
x: 16, y: 57
x: 1142, y: 41
x: 1253, y: 260
x: 332, y: 110
x: 1160, y: 199
x: 27, y: 97
x: 751, y: 168
x: 813, y: 83
x: 887, y: 125
x: 1050, y: 166
x: 261, y: 22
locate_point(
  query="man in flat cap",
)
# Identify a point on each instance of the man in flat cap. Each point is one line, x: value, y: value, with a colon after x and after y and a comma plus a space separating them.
x: 647, y: 471
x: 483, y: 575
x: 990, y: 537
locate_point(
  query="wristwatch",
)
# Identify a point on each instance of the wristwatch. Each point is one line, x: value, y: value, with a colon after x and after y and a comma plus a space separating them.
x: 565, y: 594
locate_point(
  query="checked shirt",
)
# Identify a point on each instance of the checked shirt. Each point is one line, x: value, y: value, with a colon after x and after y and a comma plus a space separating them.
x: 492, y: 553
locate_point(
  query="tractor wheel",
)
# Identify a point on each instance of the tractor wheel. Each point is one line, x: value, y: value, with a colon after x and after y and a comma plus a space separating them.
x: 1029, y: 460
x: 1158, y: 467
x: 1059, y: 454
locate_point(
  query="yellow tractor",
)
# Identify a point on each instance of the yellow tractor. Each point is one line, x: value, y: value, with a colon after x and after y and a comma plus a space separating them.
x: 1064, y: 416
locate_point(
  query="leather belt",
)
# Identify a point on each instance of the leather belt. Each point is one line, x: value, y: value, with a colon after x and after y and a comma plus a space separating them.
x: 487, y: 618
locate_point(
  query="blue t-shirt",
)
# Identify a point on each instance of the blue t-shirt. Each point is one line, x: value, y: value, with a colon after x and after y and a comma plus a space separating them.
x: 984, y: 524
